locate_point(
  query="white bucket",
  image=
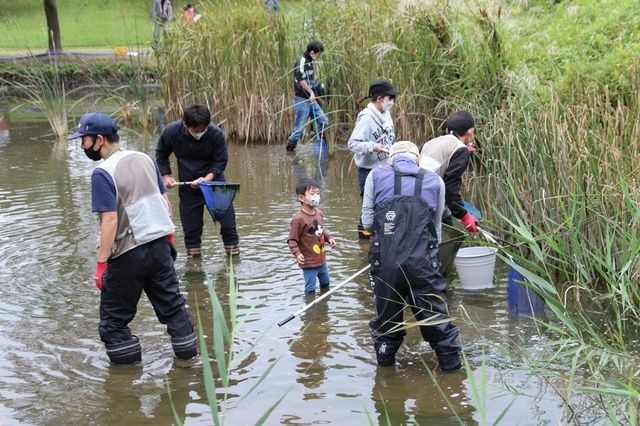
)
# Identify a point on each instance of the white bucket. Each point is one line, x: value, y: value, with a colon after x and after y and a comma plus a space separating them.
x: 475, y: 267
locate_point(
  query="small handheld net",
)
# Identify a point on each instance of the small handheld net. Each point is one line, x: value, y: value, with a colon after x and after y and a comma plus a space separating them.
x: 218, y: 196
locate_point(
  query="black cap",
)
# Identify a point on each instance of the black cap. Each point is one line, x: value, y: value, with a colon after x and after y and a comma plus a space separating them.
x: 459, y: 122
x: 95, y: 123
x: 381, y: 87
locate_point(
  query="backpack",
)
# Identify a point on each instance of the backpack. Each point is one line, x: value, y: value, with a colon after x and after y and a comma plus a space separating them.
x: 404, y: 233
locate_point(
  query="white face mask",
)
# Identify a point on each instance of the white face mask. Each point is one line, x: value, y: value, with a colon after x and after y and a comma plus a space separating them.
x: 386, y: 105
x: 197, y: 136
x: 314, y: 200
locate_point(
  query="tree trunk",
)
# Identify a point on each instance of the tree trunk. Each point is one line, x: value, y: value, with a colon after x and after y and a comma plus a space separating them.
x: 53, y: 26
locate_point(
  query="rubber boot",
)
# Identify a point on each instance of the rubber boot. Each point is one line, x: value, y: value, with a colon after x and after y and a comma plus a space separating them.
x: 185, y: 347
x: 128, y: 352
x: 449, y: 361
x: 291, y: 145
x: 384, y: 356
x: 233, y: 251
x: 194, y: 252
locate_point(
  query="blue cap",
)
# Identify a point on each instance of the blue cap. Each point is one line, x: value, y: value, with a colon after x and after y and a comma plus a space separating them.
x: 95, y: 123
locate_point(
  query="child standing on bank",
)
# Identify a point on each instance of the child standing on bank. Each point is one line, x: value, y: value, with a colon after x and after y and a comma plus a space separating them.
x: 307, y: 236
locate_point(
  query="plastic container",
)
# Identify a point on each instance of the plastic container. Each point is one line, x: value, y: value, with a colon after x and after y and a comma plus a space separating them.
x: 521, y: 299
x: 475, y: 266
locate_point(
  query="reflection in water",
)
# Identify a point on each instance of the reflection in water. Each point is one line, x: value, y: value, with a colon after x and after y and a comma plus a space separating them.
x: 53, y: 369
x: 411, y: 396
x: 315, y: 166
x: 311, y: 347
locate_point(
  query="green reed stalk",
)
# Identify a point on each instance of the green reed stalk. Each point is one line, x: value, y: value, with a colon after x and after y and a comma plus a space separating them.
x: 225, y: 327
x: 42, y: 87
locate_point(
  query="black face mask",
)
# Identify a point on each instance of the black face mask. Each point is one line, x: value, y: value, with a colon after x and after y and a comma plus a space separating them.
x: 93, y: 155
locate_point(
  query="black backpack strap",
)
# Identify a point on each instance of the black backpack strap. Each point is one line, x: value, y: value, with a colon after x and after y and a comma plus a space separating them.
x: 417, y: 191
x: 397, y: 182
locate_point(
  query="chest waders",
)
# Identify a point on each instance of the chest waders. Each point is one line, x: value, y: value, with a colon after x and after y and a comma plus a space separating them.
x: 406, y: 272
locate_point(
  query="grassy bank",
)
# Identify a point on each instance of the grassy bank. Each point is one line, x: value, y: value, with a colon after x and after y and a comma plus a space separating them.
x: 103, y: 24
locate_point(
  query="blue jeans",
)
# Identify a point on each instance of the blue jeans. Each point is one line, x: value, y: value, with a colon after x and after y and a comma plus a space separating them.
x: 272, y: 5
x: 303, y: 112
x: 310, y: 275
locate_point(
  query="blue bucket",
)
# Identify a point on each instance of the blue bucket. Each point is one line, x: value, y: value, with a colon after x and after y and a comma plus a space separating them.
x: 522, y: 300
x: 218, y: 196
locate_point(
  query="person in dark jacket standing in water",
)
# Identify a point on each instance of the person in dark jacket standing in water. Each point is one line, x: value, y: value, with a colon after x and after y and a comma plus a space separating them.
x: 135, y: 251
x: 402, y: 206
x: 200, y: 148
x: 305, y: 102
x: 449, y: 156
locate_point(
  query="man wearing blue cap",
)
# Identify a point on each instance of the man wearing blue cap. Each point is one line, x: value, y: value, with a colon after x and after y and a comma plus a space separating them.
x: 135, y: 251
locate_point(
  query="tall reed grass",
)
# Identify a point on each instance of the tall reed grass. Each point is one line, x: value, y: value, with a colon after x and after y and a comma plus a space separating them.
x: 560, y: 180
x: 239, y: 62
x: 42, y: 88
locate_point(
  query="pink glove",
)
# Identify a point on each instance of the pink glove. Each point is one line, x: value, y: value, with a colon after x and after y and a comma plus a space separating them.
x: 470, y: 222
x: 101, y: 268
x: 171, y: 239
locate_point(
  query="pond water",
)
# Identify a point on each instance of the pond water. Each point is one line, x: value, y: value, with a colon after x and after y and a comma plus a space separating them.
x: 53, y: 368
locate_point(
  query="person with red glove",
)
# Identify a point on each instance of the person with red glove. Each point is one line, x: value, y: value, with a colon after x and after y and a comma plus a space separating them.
x: 135, y: 244
x: 449, y: 157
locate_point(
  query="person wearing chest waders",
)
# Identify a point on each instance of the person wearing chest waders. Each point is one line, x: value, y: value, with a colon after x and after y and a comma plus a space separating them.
x: 449, y: 156
x: 136, y: 248
x: 402, y: 207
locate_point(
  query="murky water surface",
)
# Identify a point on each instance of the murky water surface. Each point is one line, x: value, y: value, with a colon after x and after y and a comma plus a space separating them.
x: 53, y: 368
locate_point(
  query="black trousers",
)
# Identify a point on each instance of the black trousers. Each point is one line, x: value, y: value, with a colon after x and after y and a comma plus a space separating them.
x: 147, y: 268
x: 394, y: 289
x: 191, y: 210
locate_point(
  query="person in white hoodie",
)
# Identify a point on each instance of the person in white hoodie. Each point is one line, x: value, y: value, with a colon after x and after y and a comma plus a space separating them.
x: 373, y: 134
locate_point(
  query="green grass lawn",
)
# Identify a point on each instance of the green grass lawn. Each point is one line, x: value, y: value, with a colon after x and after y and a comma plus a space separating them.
x: 83, y: 23
x: 88, y: 24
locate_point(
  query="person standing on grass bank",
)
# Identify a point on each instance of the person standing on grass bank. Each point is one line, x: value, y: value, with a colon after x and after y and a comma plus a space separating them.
x: 136, y: 243
x: 189, y: 13
x: 201, y: 151
x: 307, y: 236
x: 373, y: 134
x: 402, y: 206
x: 161, y: 13
x: 305, y: 102
x: 449, y: 156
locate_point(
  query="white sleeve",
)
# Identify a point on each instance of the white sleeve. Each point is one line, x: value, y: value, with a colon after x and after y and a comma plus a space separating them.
x: 361, y: 140
x: 367, y: 202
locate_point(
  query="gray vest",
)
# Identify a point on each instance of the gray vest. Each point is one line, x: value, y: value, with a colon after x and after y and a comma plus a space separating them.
x: 143, y: 214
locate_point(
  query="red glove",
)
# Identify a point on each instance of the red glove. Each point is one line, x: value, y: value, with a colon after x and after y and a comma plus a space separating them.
x: 470, y: 222
x: 101, y: 268
x: 171, y: 239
